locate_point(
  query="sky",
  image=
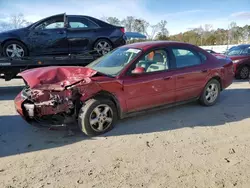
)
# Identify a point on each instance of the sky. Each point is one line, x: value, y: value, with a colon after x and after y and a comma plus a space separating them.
x: 181, y: 15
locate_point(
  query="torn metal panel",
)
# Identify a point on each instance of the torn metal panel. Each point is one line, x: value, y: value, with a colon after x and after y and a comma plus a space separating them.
x: 55, y: 77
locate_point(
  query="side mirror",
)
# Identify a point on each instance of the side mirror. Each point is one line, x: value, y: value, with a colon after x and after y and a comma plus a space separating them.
x: 138, y: 70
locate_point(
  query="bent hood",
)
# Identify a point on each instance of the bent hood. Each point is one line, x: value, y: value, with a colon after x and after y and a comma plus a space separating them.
x: 56, y: 77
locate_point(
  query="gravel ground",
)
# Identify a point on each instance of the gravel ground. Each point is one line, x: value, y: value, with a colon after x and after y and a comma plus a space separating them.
x: 186, y: 146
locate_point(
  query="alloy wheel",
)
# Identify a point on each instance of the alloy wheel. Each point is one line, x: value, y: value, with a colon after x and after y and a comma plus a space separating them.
x: 101, y: 118
x: 244, y: 73
x: 103, y: 47
x: 212, y: 92
x: 14, y: 50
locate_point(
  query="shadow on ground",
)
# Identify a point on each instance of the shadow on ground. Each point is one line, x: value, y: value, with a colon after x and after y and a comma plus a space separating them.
x: 17, y: 137
x: 233, y: 106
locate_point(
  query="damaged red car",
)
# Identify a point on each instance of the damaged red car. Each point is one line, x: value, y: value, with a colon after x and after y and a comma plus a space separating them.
x: 131, y: 79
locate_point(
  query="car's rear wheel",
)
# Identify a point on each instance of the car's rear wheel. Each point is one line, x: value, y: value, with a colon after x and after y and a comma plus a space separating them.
x: 244, y: 72
x: 97, y: 116
x: 14, y: 49
x: 103, y: 46
x: 210, y: 93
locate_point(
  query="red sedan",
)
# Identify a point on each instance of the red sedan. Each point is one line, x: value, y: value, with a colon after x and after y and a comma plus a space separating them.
x: 241, y: 58
x: 129, y: 80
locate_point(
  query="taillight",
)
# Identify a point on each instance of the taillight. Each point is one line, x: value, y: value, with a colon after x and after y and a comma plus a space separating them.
x: 122, y: 29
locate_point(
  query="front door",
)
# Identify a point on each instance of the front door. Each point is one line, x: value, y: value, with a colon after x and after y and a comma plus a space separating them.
x: 153, y: 87
x: 48, y: 37
x: 190, y: 73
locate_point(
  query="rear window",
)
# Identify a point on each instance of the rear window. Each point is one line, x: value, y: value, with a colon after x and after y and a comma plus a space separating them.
x: 81, y: 22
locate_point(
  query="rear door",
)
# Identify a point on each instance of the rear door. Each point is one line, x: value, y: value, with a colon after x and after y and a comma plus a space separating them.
x: 191, y: 72
x: 81, y: 33
x: 154, y: 87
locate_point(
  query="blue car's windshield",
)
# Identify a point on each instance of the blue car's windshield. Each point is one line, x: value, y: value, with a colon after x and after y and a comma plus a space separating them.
x: 113, y: 62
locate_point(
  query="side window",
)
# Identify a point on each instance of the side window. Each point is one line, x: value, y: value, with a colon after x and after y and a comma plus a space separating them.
x: 185, y: 58
x: 246, y: 51
x: 75, y: 23
x: 203, y: 57
x: 154, y: 61
x: 52, y: 23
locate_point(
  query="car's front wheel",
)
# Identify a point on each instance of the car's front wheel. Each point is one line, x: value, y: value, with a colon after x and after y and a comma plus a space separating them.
x: 210, y: 93
x: 244, y: 72
x: 103, y: 46
x: 97, y: 116
x: 14, y: 49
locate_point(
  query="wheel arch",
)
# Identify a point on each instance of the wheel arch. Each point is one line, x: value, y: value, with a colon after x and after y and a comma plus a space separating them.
x: 113, y: 98
x: 14, y: 39
x: 218, y: 78
x: 246, y: 63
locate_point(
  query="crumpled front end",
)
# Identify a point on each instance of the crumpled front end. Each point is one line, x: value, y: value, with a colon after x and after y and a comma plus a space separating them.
x: 58, y: 99
x: 47, y: 107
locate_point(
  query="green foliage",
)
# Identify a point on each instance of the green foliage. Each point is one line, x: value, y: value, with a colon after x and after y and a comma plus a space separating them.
x: 234, y: 35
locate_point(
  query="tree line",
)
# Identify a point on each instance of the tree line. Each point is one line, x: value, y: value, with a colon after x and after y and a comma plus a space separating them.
x: 203, y: 35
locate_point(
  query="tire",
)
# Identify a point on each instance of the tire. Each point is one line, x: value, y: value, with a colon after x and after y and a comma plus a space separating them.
x: 103, y: 46
x: 205, y: 100
x: 9, y: 76
x: 23, y: 51
x: 244, y: 72
x: 88, y: 112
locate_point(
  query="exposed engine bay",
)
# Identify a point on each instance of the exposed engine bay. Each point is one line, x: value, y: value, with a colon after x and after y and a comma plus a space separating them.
x: 51, y: 107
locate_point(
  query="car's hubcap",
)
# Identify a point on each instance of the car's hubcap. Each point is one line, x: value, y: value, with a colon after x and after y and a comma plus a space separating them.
x: 103, y: 47
x: 212, y: 92
x: 244, y: 73
x: 14, y: 50
x: 101, y: 118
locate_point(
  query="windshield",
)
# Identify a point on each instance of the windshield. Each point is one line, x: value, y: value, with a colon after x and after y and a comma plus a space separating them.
x: 235, y: 51
x: 114, y: 62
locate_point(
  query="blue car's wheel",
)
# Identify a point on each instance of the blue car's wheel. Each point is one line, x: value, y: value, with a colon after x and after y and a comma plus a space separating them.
x: 103, y: 46
x: 14, y: 49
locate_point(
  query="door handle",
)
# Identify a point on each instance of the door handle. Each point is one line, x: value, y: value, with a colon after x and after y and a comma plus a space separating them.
x: 60, y: 32
x: 204, y: 71
x: 167, y: 78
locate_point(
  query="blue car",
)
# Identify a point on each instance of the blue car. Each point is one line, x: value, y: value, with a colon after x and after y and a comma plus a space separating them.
x: 62, y: 34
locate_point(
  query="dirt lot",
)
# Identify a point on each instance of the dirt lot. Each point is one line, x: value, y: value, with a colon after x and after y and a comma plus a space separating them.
x: 187, y: 146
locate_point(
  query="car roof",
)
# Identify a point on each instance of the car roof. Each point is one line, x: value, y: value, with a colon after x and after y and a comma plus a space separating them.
x: 154, y: 44
x: 74, y: 15
x: 96, y: 20
x: 244, y: 45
